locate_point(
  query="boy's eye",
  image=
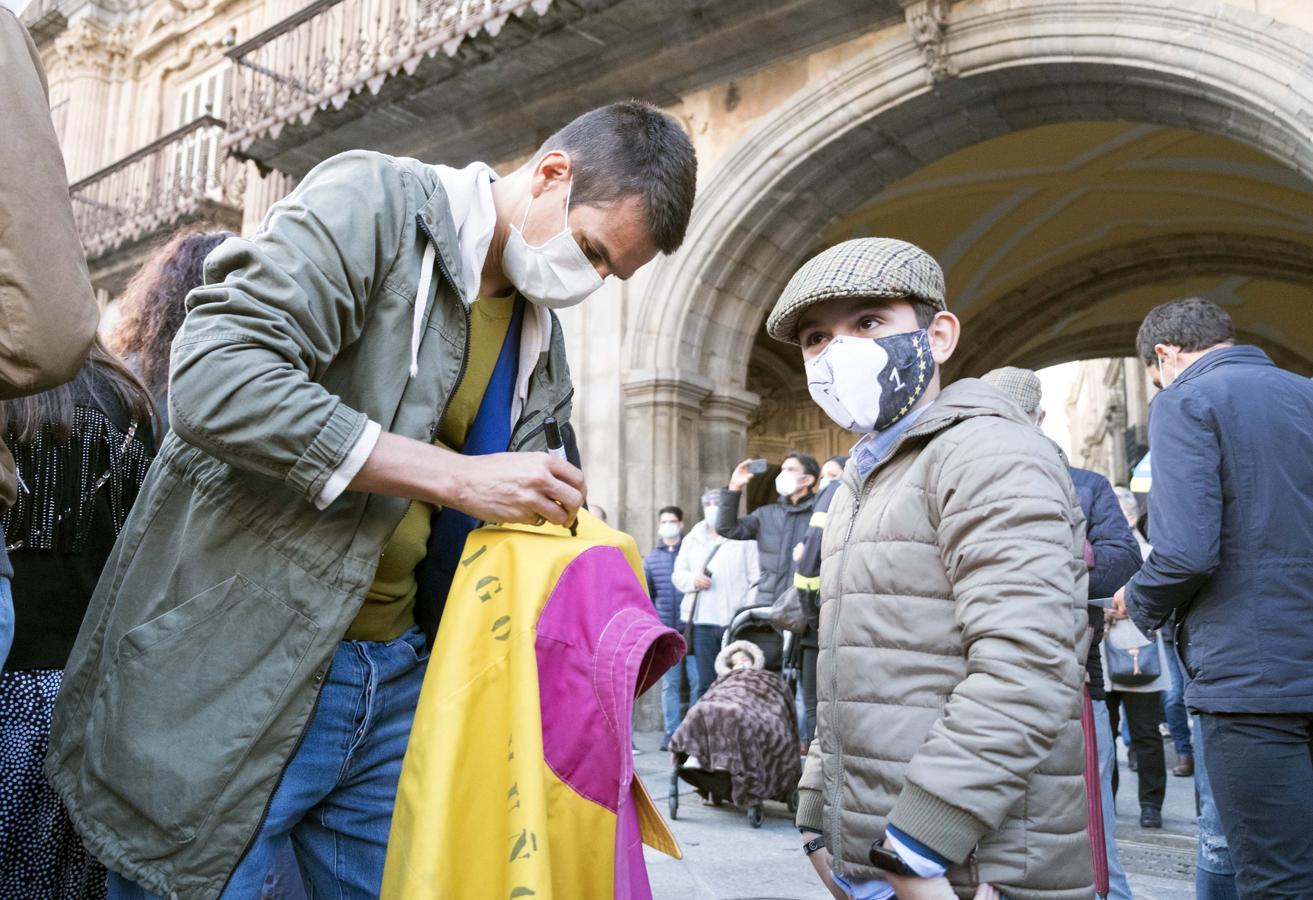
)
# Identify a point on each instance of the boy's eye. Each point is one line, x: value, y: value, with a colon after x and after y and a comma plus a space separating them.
x: 868, y: 323
x: 811, y: 339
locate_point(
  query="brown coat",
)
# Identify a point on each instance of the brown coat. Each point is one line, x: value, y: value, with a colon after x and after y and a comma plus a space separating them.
x: 952, y: 632
x: 48, y: 312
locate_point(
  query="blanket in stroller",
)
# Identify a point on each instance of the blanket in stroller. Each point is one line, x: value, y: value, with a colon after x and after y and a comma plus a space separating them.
x: 745, y: 725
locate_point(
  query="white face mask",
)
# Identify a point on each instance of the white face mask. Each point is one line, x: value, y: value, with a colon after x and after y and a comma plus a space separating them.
x: 868, y: 384
x: 786, y: 483
x: 709, y: 513
x: 826, y: 481
x: 1162, y: 372
x: 669, y: 530
x: 555, y: 274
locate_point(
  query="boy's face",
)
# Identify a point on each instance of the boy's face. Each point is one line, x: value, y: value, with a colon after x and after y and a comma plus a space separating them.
x: 862, y: 317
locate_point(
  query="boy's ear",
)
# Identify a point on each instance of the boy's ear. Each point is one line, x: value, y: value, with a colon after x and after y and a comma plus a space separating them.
x: 945, y: 329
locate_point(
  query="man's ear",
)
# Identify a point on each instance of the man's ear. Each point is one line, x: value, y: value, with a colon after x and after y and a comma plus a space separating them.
x: 944, y: 330
x: 554, y: 168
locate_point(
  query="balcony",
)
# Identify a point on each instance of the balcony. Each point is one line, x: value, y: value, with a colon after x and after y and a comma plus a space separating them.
x: 183, y: 178
x: 454, y: 80
x: 44, y: 19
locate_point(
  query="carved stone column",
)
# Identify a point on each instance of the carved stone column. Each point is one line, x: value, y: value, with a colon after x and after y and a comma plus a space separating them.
x: 88, y: 58
x: 662, y: 444
x: 726, y: 415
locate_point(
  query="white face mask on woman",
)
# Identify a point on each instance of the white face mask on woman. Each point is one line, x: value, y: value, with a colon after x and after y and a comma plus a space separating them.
x: 555, y: 274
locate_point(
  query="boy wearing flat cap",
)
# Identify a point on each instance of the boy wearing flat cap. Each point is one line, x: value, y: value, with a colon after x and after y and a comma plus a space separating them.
x: 948, y: 760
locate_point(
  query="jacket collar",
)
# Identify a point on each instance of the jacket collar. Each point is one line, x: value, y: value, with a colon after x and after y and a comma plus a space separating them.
x: 1241, y: 353
x: 966, y: 398
x: 436, y: 216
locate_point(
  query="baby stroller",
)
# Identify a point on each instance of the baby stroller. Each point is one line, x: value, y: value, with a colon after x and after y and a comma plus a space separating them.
x: 739, y: 742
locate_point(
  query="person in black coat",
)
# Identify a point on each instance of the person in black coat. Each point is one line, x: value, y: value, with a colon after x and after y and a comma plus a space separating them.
x: 1231, y: 518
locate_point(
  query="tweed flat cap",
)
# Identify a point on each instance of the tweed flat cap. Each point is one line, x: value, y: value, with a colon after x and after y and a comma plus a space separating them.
x: 864, y: 267
x: 1021, y: 386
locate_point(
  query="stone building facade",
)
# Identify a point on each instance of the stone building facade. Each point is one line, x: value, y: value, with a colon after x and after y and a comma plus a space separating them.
x: 1108, y: 416
x: 1071, y: 162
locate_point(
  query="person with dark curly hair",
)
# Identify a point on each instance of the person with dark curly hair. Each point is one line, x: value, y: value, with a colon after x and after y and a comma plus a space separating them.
x: 153, y: 309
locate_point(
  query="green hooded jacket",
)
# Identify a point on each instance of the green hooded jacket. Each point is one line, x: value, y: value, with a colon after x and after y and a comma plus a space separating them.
x: 202, y: 654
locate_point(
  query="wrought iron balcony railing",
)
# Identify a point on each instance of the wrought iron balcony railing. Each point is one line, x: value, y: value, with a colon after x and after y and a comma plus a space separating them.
x: 181, y: 177
x: 335, y: 48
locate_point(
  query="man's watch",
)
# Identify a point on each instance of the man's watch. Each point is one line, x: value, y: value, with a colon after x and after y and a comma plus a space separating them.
x: 887, y: 860
x: 816, y: 843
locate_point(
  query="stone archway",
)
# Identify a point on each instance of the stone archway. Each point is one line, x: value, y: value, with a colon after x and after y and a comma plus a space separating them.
x: 960, y: 75
x: 1044, y: 304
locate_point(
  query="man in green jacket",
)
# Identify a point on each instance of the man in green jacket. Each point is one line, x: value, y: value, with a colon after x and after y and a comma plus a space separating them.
x: 48, y: 312
x: 343, y: 394
x: 948, y: 756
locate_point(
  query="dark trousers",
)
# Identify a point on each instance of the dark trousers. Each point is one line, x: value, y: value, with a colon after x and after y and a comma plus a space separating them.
x: 706, y: 646
x: 807, y: 673
x: 1261, y: 770
x: 1143, y: 713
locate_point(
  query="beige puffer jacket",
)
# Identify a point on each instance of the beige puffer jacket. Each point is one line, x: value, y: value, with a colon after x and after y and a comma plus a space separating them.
x: 952, y: 635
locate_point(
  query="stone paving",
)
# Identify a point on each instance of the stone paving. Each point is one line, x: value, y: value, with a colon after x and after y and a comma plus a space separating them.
x: 726, y: 859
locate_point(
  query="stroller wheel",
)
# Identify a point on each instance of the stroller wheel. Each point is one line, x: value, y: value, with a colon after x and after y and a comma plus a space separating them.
x: 755, y: 815
x: 793, y: 801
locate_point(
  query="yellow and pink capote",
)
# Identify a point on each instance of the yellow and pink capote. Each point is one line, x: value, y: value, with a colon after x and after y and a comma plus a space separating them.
x: 518, y: 781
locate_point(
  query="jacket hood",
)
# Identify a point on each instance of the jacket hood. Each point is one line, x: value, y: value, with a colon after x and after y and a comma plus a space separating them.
x: 723, y: 657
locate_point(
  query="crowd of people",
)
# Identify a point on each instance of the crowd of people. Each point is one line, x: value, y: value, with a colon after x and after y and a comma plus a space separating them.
x: 230, y: 526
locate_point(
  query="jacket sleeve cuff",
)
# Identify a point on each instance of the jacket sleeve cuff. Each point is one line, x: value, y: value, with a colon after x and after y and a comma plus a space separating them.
x: 328, y: 452
x: 351, y: 466
x: 944, y: 829
x: 924, y: 861
x: 811, y: 811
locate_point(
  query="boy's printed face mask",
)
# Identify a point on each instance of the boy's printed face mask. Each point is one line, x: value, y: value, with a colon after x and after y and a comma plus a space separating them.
x: 868, y: 384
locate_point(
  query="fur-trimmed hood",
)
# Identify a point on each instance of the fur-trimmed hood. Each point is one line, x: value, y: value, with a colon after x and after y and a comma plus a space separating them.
x: 723, y: 657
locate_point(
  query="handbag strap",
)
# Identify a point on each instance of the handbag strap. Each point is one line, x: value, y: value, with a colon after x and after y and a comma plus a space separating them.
x: 697, y: 598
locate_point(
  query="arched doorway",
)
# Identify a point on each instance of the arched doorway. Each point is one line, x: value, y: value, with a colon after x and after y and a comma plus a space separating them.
x: 1128, y: 93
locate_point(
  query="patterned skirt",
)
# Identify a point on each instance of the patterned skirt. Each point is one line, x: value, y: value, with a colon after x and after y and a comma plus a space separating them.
x: 40, y: 853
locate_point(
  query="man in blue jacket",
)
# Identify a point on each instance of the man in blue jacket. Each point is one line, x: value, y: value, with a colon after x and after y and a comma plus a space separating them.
x: 1231, y: 513
x: 657, y: 566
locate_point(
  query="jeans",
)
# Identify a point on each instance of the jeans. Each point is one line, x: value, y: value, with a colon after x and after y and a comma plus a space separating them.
x: 706, y: 646
x: 1261, y: 771
x: 335, y: 800
x: 1214, y: 874
x: 670, y: 694
x: 1143, y: 712
x: 807, y: 689
x: 6, y: 616
x: 1178, y: 721
x: 1118, y: 887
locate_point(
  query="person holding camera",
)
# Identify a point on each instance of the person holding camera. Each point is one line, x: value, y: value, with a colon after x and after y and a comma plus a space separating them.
x: 718, y: 578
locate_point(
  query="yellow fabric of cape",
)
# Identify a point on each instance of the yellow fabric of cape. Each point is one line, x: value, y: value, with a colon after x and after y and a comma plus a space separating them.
x: 479, y: 814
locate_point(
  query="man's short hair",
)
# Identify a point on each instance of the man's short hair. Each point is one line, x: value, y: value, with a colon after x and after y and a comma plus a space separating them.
x: 1191, y: 324
x: 673, y: 510
x: 841, y: 459
x: 633, y: 148
x: 808, y: 463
